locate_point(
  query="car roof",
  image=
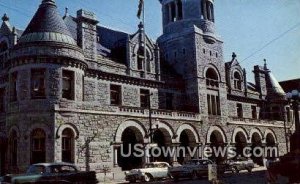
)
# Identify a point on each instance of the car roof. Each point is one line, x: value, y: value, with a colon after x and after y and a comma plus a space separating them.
x: 158, y: 163
x: 54, y: 164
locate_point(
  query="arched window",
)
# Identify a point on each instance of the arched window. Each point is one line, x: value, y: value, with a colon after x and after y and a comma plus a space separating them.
x: 38, y: 147
x: 3, y: 46
x: 67, y: 145
x: 179, y: 10
x: 213, y: 99
x: 237, y: 81
x: 13, y: 148
x: 212, y: 79
x: 207, y: 9
x: 141, y: 58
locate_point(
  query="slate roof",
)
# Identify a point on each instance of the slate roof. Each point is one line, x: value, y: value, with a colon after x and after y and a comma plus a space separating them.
x: 274, y: 85
x: 47, y: 25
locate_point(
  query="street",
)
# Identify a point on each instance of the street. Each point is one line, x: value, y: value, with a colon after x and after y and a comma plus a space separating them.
x: 256, y: 177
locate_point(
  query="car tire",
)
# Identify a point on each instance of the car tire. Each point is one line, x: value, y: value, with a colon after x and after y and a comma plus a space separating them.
x: 249, y: 169
x: 175, y: 179
x: 234, y: 170
x: 194, y: 175
x: 147, y: 177
x: 132, y: 181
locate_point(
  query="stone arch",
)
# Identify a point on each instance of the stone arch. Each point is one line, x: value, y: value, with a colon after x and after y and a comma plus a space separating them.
x: 269, y: 132
x: 255, y: 130
x: 14, y: 128
x: 192, y: 132
x: 127, y: 124
x: 129, y: 133
x: 71, y: 126
x: 214, y: 68
x: 219, y: 130
x: 42, y: 126
x: 239, y: 130
x: 166, y: 129
x: 148, y: 49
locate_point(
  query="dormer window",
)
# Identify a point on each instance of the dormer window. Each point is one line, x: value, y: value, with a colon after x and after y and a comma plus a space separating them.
x: 3, y: 47
x: 141, y: 58
x: 237, y: 81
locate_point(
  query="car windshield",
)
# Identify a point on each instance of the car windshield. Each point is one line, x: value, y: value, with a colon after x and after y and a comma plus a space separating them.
x: 149, y: 165
x: 62, y: 169
x: 36, y: 169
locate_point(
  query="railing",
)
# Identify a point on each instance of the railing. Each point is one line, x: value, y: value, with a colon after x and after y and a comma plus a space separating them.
x: 252, y: 121
x: 159, y: 113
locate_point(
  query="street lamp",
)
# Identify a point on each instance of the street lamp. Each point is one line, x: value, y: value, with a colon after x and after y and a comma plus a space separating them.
x: 294, y: 99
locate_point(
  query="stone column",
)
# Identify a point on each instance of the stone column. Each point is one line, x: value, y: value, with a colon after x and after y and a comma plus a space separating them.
x: 176, y: 10
x: 170, y: 12
x: 115, y: 154
x: 204, y: 10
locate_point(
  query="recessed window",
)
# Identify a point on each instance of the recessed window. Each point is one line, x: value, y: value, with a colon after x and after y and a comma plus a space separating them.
x: 13, y: 148
x: 204, y: 51
x: 288, y: 114
x: 144, y: 98
x: 213, y: 104
x: 183, y: 51
x: 68, y: 85
x: 38, y: 146
x: 67, y: 146
x: 254, y: 112
x: 38, y: 89
x: 115, y: 95
x: 237, y: 81
x: 212, y: 78
x: 14, y: 78
x: 210, y: 53
x: 2, y: 100
x: 169, y: 101
x: 216, y: 55
x: 239, y: 109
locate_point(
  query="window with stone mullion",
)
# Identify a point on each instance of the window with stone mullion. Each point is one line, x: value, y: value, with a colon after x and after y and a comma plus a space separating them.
x: 38, y: 89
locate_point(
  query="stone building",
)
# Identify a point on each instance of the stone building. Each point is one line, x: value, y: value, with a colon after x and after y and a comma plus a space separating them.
x: 72, y: 90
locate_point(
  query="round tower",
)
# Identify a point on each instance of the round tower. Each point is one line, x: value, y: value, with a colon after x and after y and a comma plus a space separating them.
x: 46, y: 49
x: 179, y: 15
x: 46, y: 67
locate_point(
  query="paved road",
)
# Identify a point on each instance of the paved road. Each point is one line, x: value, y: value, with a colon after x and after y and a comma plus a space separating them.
x: 257, y: 177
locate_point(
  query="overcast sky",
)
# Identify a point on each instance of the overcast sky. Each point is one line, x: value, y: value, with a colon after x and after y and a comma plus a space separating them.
x: 258, y: 28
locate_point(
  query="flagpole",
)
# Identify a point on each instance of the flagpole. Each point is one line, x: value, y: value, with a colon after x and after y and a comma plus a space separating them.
x: 144, y: 40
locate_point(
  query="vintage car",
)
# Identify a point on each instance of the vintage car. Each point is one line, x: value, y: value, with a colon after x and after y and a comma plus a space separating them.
x: 151, y: 171
x: 193, y: 169
x: 52, y: 173
x: 237, y: 165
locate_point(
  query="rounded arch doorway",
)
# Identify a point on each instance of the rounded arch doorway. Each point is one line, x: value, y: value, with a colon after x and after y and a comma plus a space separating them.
x: 256, y: 142
x: 126, y: 159
x: 240, y: 143
x: 187, y: 141
x: 163, y: 139
x: 216, y: 143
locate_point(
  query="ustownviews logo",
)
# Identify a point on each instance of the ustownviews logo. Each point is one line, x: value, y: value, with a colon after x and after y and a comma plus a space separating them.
x: 140, y: 150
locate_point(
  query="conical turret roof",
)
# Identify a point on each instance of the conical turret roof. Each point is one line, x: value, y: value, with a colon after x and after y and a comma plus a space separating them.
x: 47, y: 25
x: 274, y: 85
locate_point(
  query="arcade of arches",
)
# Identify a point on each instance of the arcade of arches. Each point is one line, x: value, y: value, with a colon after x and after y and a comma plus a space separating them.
x: 186, y: 136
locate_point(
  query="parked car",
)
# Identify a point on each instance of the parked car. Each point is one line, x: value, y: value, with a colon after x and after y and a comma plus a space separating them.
x: 193, y: 169
x: 50, y: 173
x: 151, y: 171
x: 235, y: 166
